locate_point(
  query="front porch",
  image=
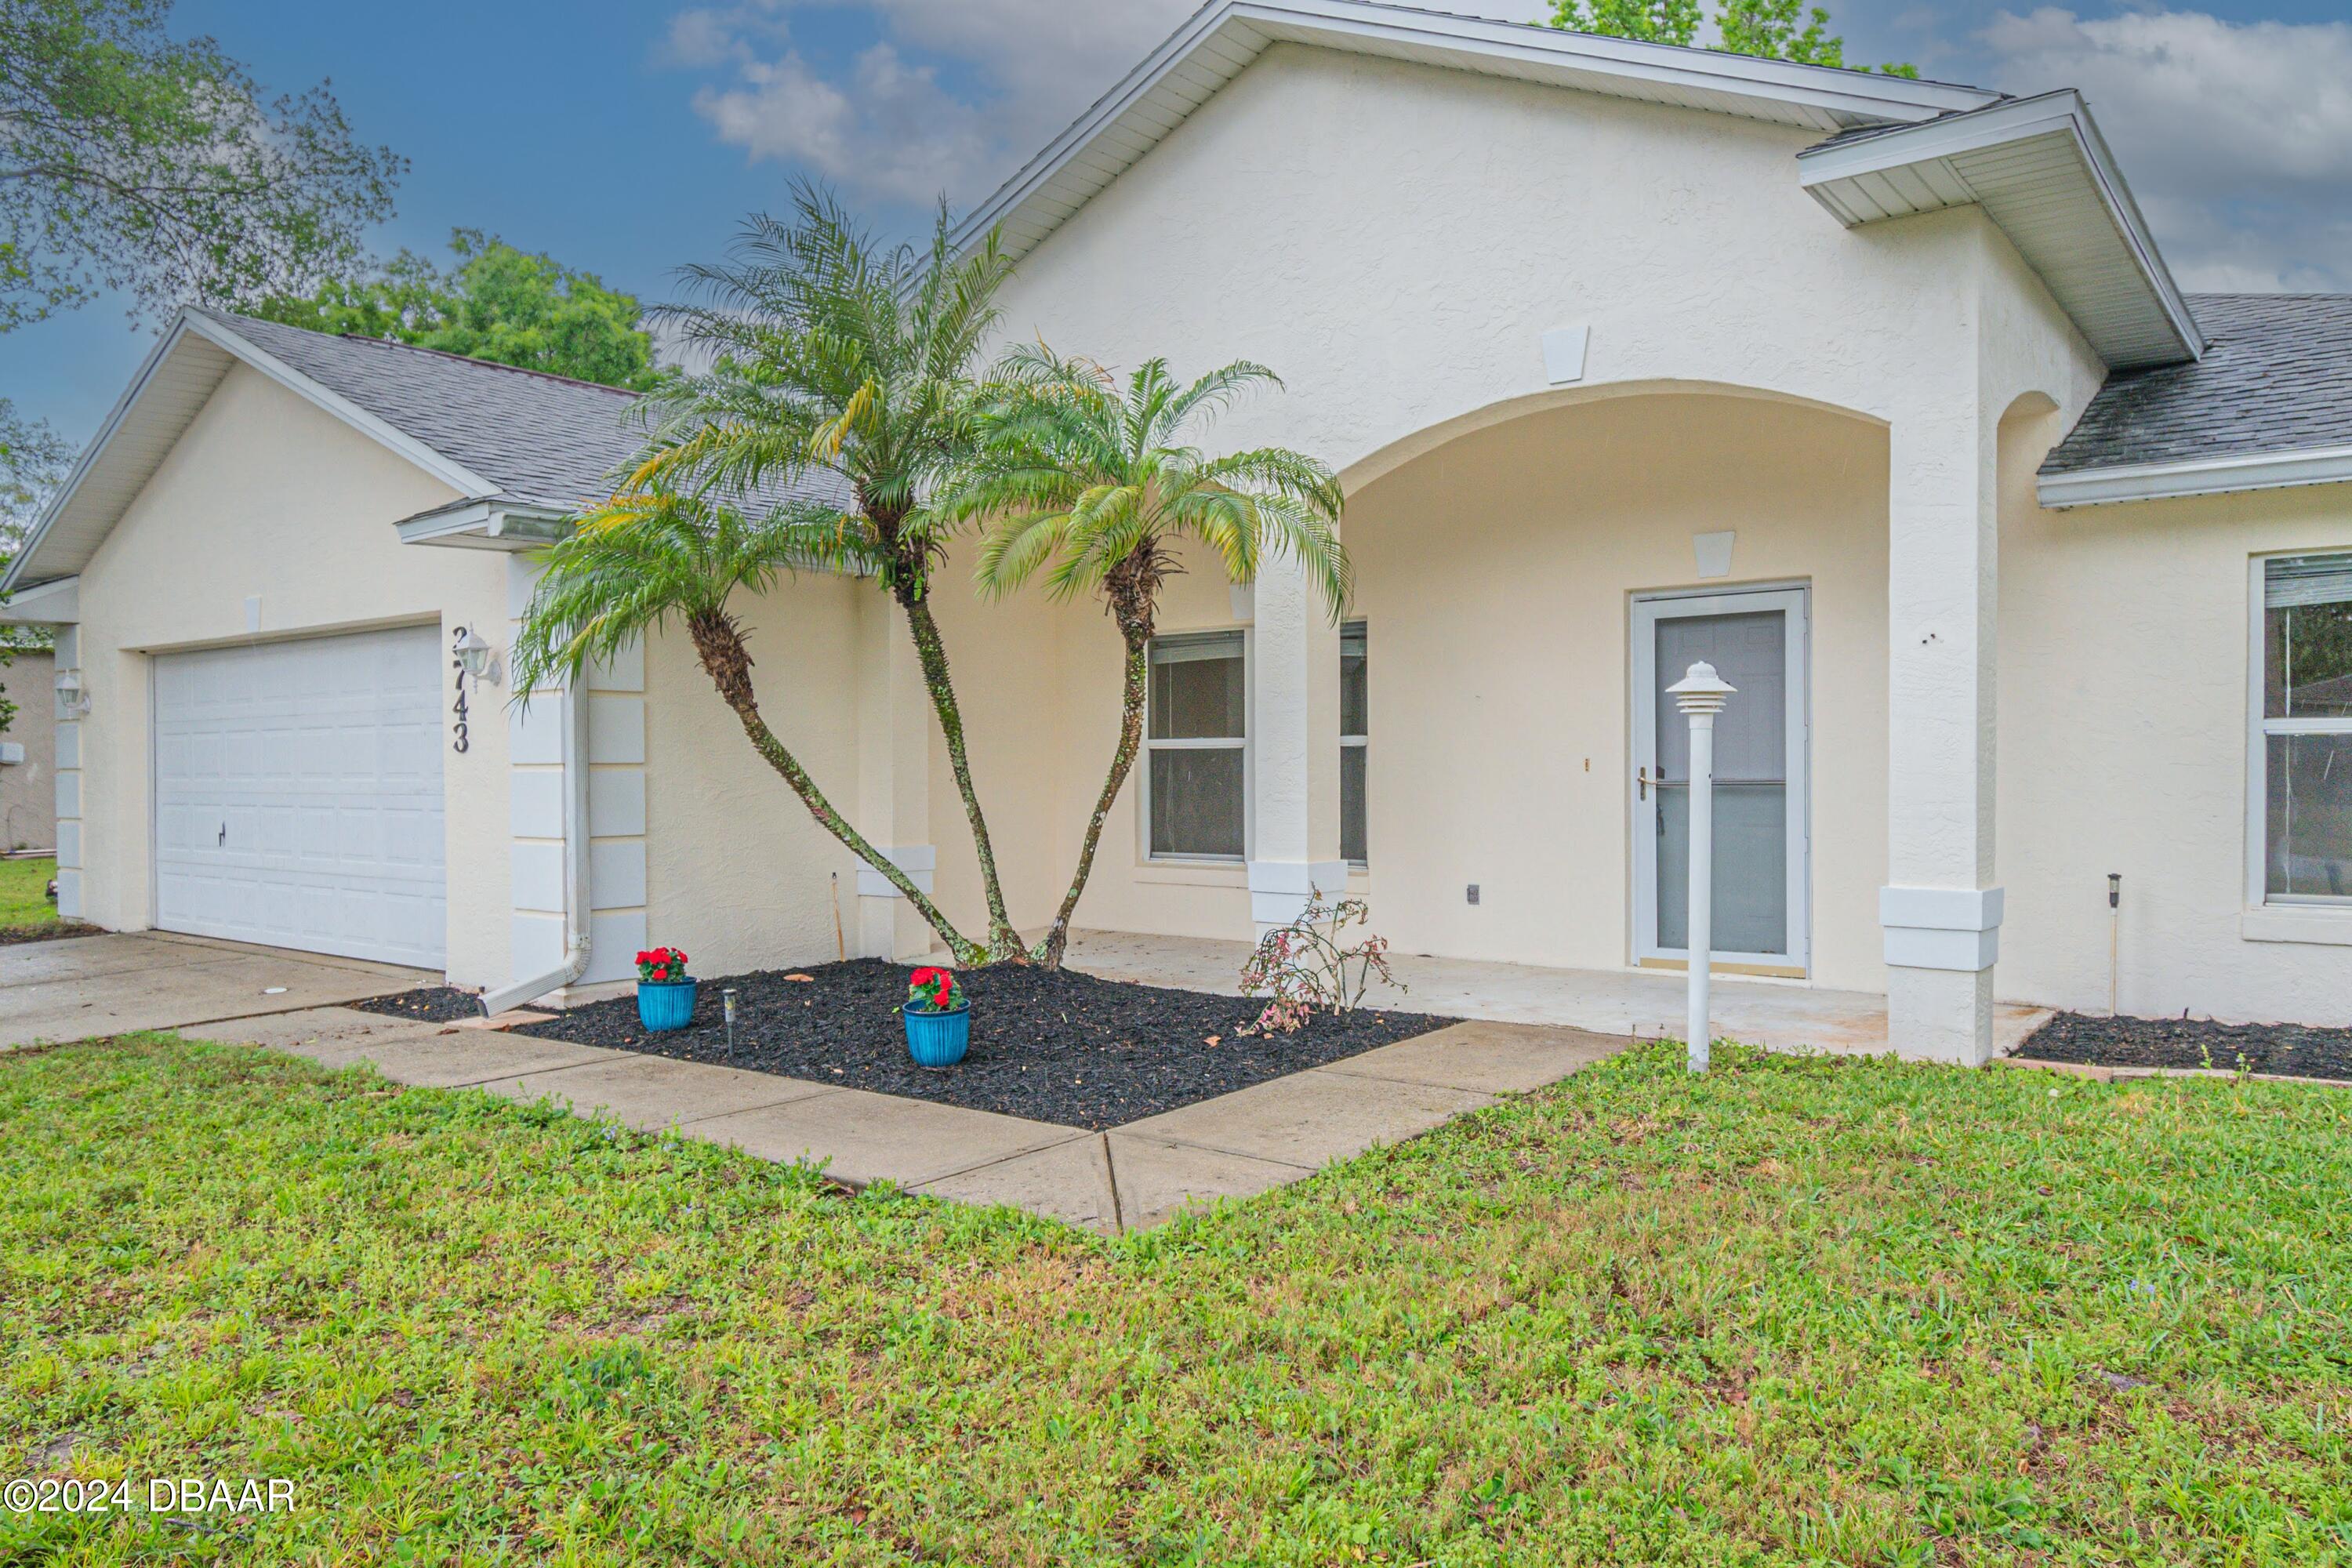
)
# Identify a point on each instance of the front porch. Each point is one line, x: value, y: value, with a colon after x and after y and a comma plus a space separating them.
x: 1645, y: 1003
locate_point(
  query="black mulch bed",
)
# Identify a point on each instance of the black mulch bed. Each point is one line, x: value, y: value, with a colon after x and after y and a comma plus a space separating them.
x: 2291, y: 1049
x: 48, y: 931
x: 1060, y: 1046
x: 432, y: 1003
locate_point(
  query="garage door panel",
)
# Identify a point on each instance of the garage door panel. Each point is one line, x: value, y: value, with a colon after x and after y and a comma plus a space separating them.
x: 298, y: 795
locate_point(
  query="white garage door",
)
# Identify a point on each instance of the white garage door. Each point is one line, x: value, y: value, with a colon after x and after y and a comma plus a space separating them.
x: 297, y: 794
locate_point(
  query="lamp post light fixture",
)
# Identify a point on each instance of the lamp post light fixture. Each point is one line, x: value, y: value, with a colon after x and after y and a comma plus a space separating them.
x: 1701, y: 694
x: 474, y: 655
x: 73, y: 698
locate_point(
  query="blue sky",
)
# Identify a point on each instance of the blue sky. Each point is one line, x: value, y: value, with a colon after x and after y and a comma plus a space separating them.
x: 625, y: 138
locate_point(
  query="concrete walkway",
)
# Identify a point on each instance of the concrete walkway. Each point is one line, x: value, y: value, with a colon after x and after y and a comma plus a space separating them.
x: 1126, y: 1179
x: 75, y: 987
x: 1645, y: 1003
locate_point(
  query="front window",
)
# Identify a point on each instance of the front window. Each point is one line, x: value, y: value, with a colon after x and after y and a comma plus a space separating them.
x: 1197, y: 735
x: 2306, y: 744
x: 1354, y: 720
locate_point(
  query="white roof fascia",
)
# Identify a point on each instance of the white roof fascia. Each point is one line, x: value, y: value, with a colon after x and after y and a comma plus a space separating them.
x: 2063, y: 112
x: 1834, y: 95
x: 2195, y: 477
x: 454, y: 474
x: 53, y: 604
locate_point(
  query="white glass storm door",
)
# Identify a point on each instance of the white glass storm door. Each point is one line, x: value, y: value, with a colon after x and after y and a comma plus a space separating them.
x: 1756, y: 642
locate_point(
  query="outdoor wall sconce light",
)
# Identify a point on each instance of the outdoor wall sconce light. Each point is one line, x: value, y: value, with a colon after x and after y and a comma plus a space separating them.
x: 73, y: 701
x: 474, y: 655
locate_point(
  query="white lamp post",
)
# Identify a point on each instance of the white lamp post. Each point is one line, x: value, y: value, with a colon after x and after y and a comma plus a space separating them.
x: 1700, y: 694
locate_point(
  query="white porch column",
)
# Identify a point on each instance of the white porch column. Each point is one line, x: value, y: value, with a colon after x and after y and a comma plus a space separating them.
x: 1940, y: 914
x: 1294, y: 728
x: 894, y: 789
x: 69, y: 776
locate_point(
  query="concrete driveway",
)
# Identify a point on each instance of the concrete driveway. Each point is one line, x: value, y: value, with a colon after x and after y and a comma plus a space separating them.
x: 79, y: 987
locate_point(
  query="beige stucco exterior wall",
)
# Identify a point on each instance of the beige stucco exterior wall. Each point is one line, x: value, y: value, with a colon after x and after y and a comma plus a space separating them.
x: 2125, y: 715
x: 28, y: 790
x: 265, y: 496
x: 738, y: 873
x: 1038, y: 735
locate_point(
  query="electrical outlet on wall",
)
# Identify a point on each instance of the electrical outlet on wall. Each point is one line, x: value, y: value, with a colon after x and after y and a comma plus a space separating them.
x: 1474, y: 892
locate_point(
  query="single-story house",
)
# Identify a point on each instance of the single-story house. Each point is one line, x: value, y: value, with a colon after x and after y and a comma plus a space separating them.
x: 2028, y: 568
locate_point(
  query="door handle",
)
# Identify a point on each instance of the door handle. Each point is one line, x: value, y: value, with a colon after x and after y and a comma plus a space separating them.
x: 222, y: 842
x: 1642, y: 778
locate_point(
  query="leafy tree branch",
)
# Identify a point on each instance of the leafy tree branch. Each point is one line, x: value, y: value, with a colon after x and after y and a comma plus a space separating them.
x: 132, y: 162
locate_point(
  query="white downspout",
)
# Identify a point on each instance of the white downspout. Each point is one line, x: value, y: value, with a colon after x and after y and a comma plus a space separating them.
x: 574, y: 710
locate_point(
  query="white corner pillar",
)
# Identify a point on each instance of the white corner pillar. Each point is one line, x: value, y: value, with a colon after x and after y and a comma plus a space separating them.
x: 1294, y: 728
x: 68, y: 778
x: 893, y: 808
x: 539, y: 798
x: 1940, y: 914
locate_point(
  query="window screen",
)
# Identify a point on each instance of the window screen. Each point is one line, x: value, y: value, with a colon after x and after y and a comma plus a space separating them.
x: 2306, y: 728
x: 1196, y: 734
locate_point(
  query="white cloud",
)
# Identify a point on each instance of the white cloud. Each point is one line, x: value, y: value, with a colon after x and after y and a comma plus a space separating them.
x: 890, y: 129
x: 2237, y: 137
x: 1018, y: 72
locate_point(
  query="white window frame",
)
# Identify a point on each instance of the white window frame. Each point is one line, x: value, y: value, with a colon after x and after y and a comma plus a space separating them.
x: 1363, y: 742
x: 1151, y: 851
x: 1794, y: 600
x: 2260, y: 728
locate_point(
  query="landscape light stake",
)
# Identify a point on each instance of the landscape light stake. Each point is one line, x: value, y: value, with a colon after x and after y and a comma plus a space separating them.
x: 2115, y: 935
x: 727, y: 1006
x: 1700, y: 694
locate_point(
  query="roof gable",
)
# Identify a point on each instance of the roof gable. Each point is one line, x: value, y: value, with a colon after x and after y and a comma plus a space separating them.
x: 1221, y: 39
x: 524, y: 435
x: 511, y: 442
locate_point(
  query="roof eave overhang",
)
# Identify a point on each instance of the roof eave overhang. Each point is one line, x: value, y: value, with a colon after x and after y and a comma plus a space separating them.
x: 56, y: 603
x: 2195, y: 477
x: 2068, y: 212
x: 487, y: 522
x: 1221, y: 39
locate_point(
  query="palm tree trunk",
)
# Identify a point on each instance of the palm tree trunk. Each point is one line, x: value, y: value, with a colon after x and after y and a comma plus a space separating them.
x: 1003, y: 942
x: 1135, y: 627
x: 719, y: 643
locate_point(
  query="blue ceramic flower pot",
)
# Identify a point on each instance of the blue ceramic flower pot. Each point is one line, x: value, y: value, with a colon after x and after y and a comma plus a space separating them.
x: 665, y: 1003
x: 938, y: 1039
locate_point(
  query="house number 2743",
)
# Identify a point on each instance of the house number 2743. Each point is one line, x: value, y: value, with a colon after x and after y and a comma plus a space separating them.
x: 459, y: 709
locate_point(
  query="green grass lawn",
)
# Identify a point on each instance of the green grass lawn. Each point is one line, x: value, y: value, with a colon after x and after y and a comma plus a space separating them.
x: 1796, y: 1311
x: 25, y: 893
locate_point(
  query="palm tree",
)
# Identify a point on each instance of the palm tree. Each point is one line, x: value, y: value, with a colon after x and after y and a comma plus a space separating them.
x: 1086, y: 475
x: 651, y: 555
x: 841, y: 367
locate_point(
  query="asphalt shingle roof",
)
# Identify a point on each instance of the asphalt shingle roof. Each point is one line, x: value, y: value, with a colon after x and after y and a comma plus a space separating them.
x: 543, y: 440
x: 2276, y: 377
